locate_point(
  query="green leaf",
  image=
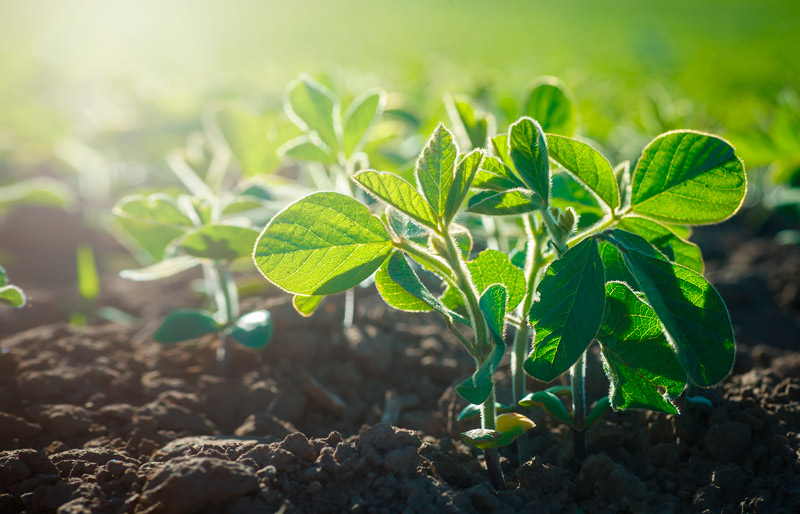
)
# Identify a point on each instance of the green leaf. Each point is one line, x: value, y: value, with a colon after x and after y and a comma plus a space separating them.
x: 614, y: 266
x: 690, y: 309
x: 465, y: 173
x: 313, y: 108
x: 306, y: 305
x: 500, y: 149
x: 512, y: 425
x: 220, y: 242
x: 304, y: 148
x: 322, y: 244
x: 528, y: 151
x: 253, y: 330
x: 3, y: 276
x: 507, y: 203
x: 688, y: 177
x: 397, y: 297
x: 358, y: 119
x: 398, y: 193
x: 434, y: 169
x: 38, y: 190
x: 479, y: 386
x: 248, y: 137
x: 678, y: 250
x: 151, y: 237
x: 550, y: 402
x: 494, y: 175
x: 637, y: 357
x: 399, y: 272
x: 494, y: 267
x: 569, y: 313
x: 474, y: 124
x: 185, y: 324
x: 157, y: 207
x: 551, y: 104
x: 472, y: 411
x: 587, y: 165
x: 12, y: 295
x: 482, y: 438
x: 600, y: 408
x: 162, y: 269
x: 88, y: 281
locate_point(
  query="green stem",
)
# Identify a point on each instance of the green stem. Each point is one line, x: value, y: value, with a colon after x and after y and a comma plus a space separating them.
x: 552, y: 227
x: 578, y: 379
x: 229, y: 308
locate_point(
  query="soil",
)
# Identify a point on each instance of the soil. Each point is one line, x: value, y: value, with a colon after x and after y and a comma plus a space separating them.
x: 102, y: 419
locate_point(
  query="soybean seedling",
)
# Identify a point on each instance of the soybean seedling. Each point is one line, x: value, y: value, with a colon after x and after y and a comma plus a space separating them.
x: 10, y: 294
x: 630, y: 281
x: 331, y: 147
x: 329, y: 242
x: 207, y: 227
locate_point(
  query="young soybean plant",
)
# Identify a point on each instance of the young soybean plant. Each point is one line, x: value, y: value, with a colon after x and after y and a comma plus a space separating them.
x: 331, y: 146
x: 631, y: 281
x: 206, y: 227
x: 10, y: 294
x: 329, y: 242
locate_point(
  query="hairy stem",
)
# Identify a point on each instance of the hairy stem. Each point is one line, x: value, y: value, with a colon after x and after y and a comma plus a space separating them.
x: 577, y: 375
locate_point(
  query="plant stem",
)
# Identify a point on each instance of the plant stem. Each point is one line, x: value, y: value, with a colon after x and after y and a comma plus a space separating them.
x: 551, y: 224
x: 349, y: 308
x: 577, y: 375
x: 227, y: 306
x: 488, y: 421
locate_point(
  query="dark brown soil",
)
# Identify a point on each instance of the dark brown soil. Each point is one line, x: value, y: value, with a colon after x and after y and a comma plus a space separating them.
x: 104, y: 420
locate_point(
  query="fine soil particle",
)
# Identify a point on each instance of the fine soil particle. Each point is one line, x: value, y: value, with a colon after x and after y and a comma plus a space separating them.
x: 103, y: 420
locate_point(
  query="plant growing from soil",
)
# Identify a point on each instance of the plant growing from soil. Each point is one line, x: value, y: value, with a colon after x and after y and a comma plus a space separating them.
x: 329, y: 242
x: 208, y: 227
x: 630, y: 281
x: 10, y: 294
x: 331, y: 147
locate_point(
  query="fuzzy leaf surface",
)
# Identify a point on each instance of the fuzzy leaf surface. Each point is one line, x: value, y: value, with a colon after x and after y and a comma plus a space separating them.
x: 398, y: 193
x: 528, y: 152
x: 435, y: 169
x: 688, y: 177
x: 587, y: 165
x: 507, y: 203
x: 465, y: 172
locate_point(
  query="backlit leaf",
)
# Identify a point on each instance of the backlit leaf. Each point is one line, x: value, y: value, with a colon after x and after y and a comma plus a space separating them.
x: 528, y: 151
x: 434, y: 169
x: 551, y: 104
x: 676, y: 249
x: 12, y: 295
x: 507, y: 203
x: 587, y: 165
x: 398, y: 193
x: 358, y: 119
x: 220, y: 242
x: 313, y: 108
x: 306, y: 305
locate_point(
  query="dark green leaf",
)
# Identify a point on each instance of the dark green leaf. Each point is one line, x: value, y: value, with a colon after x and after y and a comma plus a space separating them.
x: 569, y: 312
x: 508, y: 203
x: 676, y: 249
x: 183, y: 325
x: 482, y: 438
x: 253, y: 330
x: 690, y: 309
x: 639, y: 361
x: 600, y: 408
x: 472, y: 411
x: 550, y: 402
x: 322, y: 244
x: 688, y: 178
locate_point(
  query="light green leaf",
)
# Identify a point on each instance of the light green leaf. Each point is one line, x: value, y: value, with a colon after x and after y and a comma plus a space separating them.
x: 151, y: 237
x: 304, y: 148
x: 474, y: 125
x: 157, y: 207
x: 248, y: 137
x: 253, y: 330
x: 690, y: 309
x: 313, y: 108
x: 395, y: 296
x: 306, y: 305
x: 569, y: 313
x: 3, y: 276
x: 398, y: 193
x: 507, y: 203
x: 688, y: 177
x: 434, y: 169
x: 220, y: 242
x: 358, y: 119
x: 324, y: 243
x: 12, y: 295
x: 479, y: 386
x: 466, y: 169
x: 494, y: 175
x: 399, y: 272
x: 38, y: 190
x: 492, y: 267
x: 88, y: 281
x: 552, y: 105
x: 528, y: 151
x: 676, y: 249
x: 639, y: 361
x: 550, y: 402
x: 501, y: 150
x: 185, y: 324
x: 587, y: 165
x: 162, y: 269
